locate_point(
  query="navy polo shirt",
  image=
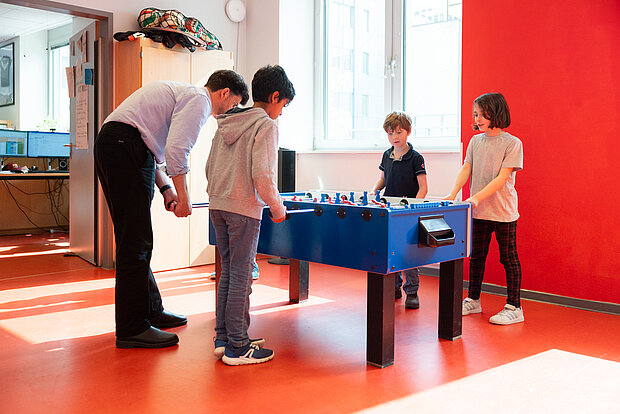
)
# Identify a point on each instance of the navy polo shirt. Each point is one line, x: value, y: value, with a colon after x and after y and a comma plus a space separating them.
x: 401, y: 174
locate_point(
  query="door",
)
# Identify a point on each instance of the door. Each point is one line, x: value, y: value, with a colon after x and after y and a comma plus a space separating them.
x: 84, y: 125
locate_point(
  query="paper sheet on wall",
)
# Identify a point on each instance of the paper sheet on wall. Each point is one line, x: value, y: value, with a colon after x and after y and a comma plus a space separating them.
x: 78, y: 71
x: 84, y: 41
x: 70, y: 81
x: 81, y: 118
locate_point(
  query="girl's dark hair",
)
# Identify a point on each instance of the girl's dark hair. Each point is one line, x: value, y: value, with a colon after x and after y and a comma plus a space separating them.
x: 495, y: 109
x: 221, y: 79
x: 270, y: 79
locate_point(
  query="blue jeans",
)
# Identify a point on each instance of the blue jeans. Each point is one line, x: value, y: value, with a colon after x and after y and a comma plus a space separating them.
x: 412, y: 281
x: 237, y: 240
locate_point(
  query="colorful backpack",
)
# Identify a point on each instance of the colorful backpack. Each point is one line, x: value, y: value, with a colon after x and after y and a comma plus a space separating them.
x: 174, y: 20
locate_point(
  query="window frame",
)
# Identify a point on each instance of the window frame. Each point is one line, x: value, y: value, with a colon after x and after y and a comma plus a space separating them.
x: 62, y: 79
x: 394, y: 85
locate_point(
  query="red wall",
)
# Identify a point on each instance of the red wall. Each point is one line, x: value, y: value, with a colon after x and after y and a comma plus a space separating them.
x: 557, y: 62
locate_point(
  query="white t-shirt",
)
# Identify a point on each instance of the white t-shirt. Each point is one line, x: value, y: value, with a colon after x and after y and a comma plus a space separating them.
x: 487, y: 156
x: 169, y: 116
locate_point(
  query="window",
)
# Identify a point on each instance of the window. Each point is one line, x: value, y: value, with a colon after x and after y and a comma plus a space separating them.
x: 58, y: 93
x: 371, y: 67
x: 352, y: 105
x: 432, y: 71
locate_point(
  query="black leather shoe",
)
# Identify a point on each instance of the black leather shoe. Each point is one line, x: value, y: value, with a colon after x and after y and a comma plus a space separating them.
x: 151, y: 338
x: 412, y: 301
x: 168, y: 320
x: 398, y: 294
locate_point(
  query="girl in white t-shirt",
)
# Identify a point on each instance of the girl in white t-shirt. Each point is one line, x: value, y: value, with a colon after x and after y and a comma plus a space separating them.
x: 492, y: 161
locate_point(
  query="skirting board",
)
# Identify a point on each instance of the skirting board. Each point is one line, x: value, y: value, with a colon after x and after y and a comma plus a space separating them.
x: 590, y: 305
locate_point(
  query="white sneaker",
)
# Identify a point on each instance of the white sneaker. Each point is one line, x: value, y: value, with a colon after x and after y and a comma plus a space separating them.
x: 510, y: 314
x: 471, y: 306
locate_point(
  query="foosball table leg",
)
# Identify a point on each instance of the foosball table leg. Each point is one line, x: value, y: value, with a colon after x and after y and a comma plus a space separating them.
x: 298, y: 280
x: 380, y: 320
x: 450, y: 299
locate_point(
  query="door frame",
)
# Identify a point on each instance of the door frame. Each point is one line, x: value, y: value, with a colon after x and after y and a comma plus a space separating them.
x: 104, y: 237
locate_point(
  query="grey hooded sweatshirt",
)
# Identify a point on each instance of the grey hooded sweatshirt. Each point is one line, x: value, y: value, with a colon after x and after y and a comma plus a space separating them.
x: 241, y: 169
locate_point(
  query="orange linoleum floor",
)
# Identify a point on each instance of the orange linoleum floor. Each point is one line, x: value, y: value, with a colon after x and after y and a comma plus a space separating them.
x: 58, y: 355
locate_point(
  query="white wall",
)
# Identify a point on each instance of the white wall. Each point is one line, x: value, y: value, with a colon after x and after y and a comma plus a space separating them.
x: 33, y: 80
x: 259, y: 40
x: 296, y: 56
x: 359, y: 171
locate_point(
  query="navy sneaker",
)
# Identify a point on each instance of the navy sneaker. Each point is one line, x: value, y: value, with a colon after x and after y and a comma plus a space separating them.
x: 249, y: 354
x: 220, y: 346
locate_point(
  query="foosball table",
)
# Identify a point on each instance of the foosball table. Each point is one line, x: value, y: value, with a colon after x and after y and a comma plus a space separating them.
x: 378, y: 235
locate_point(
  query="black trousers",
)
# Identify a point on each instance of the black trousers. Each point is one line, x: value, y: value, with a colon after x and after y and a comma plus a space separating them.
x: 506, y: 236
x: 126, y: 170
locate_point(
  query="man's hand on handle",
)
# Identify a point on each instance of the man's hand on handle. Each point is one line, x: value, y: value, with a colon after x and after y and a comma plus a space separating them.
x: 183, y: 208
x: 170, y: 199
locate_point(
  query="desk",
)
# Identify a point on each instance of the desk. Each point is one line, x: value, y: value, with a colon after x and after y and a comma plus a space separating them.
x: 380, y: 239
x: 35, y: 176
x: 32, y: 202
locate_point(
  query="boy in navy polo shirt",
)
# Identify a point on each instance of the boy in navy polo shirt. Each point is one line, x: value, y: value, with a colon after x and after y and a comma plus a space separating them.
x: 402, y: 175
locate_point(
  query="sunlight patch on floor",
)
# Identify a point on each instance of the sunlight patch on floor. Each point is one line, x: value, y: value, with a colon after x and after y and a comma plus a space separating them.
x: 34, y: 292
x: 37, y: 253
x: 553, y: 381
x: 98, y: 320
x: 66, y: 302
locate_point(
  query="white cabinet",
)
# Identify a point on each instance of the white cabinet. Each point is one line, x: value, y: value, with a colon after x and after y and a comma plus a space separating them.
x: 177, y: 242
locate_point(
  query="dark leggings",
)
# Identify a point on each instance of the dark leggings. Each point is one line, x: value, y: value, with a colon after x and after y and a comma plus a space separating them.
x: 506, y: 236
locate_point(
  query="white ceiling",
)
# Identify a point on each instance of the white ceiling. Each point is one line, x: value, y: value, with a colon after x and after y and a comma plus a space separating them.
x: 17, y: 21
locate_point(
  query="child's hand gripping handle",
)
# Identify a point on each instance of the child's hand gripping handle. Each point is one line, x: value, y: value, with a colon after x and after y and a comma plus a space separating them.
x: 290, y: 212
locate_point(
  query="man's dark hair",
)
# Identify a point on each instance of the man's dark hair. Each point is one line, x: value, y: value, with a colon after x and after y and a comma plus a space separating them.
x: 495, y: 109
x: 230, y: 79
x: 270, y: 79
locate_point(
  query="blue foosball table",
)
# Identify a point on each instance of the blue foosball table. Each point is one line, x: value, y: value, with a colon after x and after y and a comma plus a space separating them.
x: 378, y: 235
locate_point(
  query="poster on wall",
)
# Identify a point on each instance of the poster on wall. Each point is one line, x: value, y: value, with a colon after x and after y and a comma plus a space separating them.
x: 7, y: 75
x: 81, y: 117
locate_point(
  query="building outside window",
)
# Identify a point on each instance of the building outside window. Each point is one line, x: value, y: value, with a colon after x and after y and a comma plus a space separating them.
x: 359, y: 78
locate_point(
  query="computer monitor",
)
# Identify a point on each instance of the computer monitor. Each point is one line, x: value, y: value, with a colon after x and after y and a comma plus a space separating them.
x: 13, y: 143
x: 49, y: 144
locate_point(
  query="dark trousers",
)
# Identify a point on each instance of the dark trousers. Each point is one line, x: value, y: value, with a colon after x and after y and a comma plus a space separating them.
x: 126, y: 170
x: 506, y: 236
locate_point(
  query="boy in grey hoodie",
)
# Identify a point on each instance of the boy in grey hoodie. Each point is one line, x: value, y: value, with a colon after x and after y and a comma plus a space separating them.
x: 241, y: 175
